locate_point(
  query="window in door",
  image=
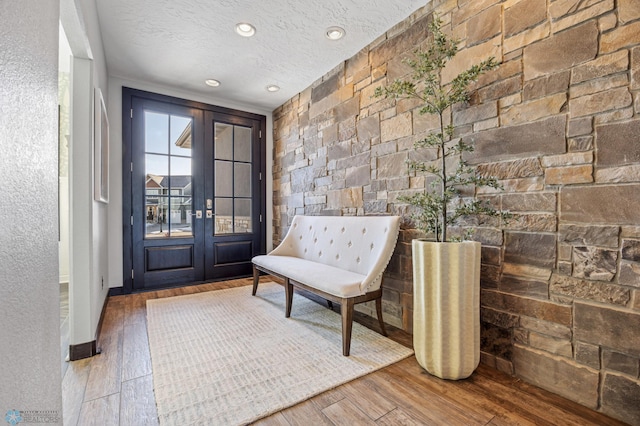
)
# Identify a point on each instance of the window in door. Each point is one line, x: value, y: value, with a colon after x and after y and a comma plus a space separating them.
x: 168, y: 177
x: 233, y: 171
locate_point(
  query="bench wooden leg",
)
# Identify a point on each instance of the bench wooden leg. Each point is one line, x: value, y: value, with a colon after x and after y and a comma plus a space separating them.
x: 347, y: 323
x: 379, y: 311
x: 256, y: 278
x: 288, y: 289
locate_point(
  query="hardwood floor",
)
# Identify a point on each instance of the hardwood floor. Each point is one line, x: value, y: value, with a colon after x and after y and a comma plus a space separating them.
x: 116, y: 387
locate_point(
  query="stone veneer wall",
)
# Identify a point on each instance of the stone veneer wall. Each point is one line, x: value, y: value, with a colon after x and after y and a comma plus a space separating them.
x: 559, y: 123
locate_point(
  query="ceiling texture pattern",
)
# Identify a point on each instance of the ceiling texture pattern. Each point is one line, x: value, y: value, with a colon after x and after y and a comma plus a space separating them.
x: 181, y: 43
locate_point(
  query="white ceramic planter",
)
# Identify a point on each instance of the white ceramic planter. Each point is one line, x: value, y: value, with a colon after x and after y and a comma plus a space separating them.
x: 446, y: 307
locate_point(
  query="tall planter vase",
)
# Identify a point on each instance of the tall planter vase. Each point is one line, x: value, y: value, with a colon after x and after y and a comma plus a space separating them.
x: 446, y: 307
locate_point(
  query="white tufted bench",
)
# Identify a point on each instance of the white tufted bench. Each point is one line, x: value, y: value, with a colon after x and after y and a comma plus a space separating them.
x: 340, y: 258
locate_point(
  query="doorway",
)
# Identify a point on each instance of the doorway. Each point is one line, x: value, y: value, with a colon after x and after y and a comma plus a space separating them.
x: 196, y: 203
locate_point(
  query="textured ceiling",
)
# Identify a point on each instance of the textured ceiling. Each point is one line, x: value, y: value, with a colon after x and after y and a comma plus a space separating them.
x: 181, y: 43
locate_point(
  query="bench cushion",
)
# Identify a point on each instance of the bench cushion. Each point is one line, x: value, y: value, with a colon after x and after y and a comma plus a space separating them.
x: 362, y: 245
x: 332, y: 280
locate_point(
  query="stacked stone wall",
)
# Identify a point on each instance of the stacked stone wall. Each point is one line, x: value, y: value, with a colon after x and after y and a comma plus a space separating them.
x: 559, y: 124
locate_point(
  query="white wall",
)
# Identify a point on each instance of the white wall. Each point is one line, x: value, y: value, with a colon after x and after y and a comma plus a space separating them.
x: 99, y: 230
x: 81, y: 289
x: 115, y: 169
x: 29, y: 290
x: 89, y: 242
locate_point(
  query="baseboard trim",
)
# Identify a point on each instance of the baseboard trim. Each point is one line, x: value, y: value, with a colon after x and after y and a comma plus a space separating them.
x: 89, y: 349
x: 116, y: 291
x: 104, y: 309
x: 83, y: 350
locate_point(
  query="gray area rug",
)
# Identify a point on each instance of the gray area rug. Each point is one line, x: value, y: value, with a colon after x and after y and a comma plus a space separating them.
x: 224, y: 357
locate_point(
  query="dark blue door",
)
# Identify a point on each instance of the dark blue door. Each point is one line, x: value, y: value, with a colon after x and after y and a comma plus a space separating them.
x: 196, y: 203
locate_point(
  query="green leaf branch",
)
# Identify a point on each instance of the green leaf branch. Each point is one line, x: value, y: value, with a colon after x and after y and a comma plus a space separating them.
x: 440, y: 206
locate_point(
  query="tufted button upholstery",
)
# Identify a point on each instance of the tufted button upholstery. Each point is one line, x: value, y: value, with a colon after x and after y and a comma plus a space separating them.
x: 354, y: 250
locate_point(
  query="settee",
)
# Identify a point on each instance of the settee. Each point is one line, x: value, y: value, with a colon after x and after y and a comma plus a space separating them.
x: 339, y: 258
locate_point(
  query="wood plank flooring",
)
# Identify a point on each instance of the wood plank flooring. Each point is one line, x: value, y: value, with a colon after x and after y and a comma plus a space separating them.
x: 116, y: 386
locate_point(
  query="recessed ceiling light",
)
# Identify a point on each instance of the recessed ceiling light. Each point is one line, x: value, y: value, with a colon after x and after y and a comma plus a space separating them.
x: 211, y: 82
x: 335, y: 33
x: 273, y: 88
x: 245, y: 30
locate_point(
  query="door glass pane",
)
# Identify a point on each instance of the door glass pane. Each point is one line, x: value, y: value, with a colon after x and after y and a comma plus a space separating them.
x: 156, y: 132
x: 151, y: 211
x: 242, y: 144
x: 223, y: 142
x: 181, y: 136
x: 224, y: 216
x: 156, y: 166
x: 242, y: 180
x: 156, y: 216
x: 180, y: 217
x: 180, y: 168
x: 224, y: 178
x: 242, y: 216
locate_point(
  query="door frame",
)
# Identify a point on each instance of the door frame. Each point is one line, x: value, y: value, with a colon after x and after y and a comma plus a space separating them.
x: 128, y: 95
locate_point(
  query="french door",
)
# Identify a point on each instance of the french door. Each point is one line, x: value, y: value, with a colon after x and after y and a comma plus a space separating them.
x: 197, y: 196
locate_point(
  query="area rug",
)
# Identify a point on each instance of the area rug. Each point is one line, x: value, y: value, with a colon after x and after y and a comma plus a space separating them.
x: 225, y: 357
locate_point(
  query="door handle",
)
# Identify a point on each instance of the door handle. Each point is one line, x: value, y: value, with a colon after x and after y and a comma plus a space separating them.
x: 197, y: 214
